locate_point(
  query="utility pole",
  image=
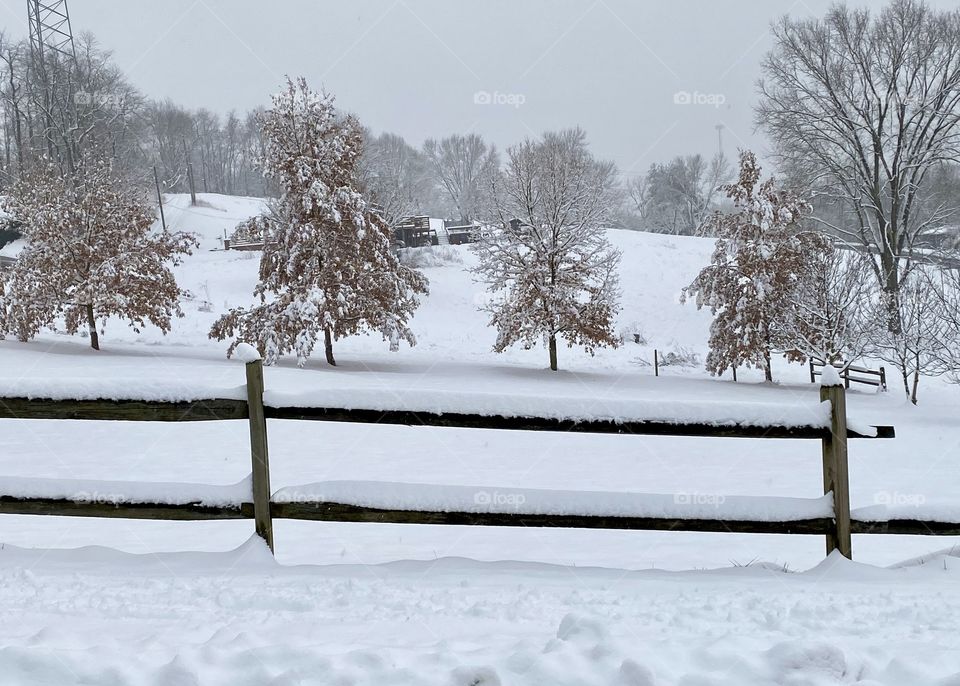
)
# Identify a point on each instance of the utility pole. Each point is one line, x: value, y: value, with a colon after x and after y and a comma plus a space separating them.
x: 719, y: 128
x: 156, y: 179
x: 193, y: 188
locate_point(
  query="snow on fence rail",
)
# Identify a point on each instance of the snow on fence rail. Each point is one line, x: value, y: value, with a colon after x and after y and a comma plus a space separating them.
x: 426, y: 504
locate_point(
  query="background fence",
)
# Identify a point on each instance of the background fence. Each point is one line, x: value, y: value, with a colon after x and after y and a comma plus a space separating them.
x: 836, y: 525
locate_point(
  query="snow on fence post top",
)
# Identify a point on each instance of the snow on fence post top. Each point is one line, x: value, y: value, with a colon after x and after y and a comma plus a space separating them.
x: 830, y: 377
x: 247, y: 353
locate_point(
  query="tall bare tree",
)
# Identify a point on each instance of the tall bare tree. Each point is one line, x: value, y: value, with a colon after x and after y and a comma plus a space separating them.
x: 461, y: 164
x: 863, y: 106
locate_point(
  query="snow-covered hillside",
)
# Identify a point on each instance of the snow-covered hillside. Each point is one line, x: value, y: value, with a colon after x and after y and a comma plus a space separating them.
x: 224, y: 615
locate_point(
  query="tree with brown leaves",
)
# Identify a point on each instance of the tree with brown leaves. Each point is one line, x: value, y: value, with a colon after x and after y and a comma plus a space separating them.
x: 91, y: 254
x: 760, y: 258
x: 327, y: 267
x: 548, y: 263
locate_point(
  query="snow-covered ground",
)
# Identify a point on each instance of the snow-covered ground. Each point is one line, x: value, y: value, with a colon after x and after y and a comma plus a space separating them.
x: 468, y: 605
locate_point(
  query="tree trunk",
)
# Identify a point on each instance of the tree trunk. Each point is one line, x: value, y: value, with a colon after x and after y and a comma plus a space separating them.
x: 916, y: 383
x: 92, y: 327
x: 328, y: 346
x: 553, y: 352
x: 767, y: 368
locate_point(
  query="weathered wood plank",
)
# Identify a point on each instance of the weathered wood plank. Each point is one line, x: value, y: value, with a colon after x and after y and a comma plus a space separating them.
x: 222, y: 408
x: 836, y: 477
x: 338, y: 512
x: 83, y: 508
x: 123, y: 410
x: 259, y: 453
x: 473, y: 421
x: 906, y: 527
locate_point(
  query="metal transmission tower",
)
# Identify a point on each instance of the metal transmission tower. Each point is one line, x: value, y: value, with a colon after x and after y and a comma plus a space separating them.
x: 50, y: 30
x: 54, y: 60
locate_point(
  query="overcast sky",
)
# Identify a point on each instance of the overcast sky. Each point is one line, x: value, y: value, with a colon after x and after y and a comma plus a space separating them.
x: 503, y: 68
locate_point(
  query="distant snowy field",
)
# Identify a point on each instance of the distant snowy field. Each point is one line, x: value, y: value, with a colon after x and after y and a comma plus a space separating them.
x: 453, y: 614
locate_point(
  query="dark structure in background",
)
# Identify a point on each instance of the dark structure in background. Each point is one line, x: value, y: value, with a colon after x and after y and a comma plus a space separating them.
x: 415, y: 232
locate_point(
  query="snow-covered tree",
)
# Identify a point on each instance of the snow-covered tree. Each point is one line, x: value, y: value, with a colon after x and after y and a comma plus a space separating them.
x: 396, y: 176
x: 328, y: 266
x: 548, y: 263
x: 91, y: 254
x: 918, y: 348
x: 461, y: 166
x: 863, y: 106
x: 831, y: 318
x: 761, y: 257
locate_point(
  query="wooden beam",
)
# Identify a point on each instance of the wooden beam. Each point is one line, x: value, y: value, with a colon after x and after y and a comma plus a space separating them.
x: 473, y: 421
x: 338, y: 512
x: 836, y: 477
x: 906, y: 527
x: 259, y: 454
x: 123, y: 410
x: 83, y: 508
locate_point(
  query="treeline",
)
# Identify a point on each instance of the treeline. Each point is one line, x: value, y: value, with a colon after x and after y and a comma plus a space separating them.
x: 55, y: 110
x: 58, y: 109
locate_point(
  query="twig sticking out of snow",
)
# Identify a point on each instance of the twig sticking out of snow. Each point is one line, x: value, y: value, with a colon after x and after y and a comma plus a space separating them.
x: 246, y: 353
x: 830, y: 377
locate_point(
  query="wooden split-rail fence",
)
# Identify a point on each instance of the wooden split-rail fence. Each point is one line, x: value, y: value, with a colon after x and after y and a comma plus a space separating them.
x: 263, y: 510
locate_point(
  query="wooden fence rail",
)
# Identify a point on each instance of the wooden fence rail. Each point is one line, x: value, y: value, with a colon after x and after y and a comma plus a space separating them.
x: 868, y: 377
x: 262, y: 509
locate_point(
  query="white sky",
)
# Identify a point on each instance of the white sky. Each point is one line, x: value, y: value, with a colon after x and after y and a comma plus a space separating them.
x: 414, y: 66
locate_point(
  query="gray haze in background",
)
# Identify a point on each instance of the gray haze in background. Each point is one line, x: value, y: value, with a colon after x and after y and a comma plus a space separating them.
x: 424, y: 68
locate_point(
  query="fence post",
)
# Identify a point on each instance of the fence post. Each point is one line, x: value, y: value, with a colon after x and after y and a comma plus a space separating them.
x: 258, y: 452
x: 883, y: 379
x: 836, y: 477
x: 656, y: 363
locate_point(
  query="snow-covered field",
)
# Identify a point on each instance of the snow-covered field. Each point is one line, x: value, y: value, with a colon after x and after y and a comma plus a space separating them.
x: 394, y: 604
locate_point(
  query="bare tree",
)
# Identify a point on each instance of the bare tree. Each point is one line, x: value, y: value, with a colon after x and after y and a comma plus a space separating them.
x: 832, y: 319
x: 394, y: 176
x: 916, y: 349
x: 461, y: 165
x: 548, y: 265
x: 863, y: 106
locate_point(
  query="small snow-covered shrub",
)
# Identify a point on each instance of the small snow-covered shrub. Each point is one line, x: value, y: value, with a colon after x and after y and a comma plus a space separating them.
x: 633, y: 333
x: 680, y: 357
x: 430, y: 256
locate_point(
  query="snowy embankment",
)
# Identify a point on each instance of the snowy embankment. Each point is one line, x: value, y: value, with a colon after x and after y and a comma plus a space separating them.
x: 220, y: 610
x: 97, y: 616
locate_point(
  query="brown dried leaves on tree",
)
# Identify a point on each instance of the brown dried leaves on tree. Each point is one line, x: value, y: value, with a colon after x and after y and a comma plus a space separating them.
x: 90, y: 255
x: 327, y: 266
x: 760, y: 258
x: 547, y: 263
